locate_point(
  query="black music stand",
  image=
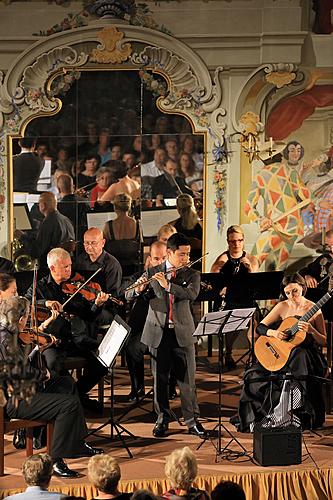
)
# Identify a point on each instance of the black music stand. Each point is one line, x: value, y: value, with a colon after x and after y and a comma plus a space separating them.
x: 108, y: 351
x: 220, y: 323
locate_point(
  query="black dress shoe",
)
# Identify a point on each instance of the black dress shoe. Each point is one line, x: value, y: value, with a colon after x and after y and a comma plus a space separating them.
x: 197, y: 430
x: 61, y: 469
x: 229, y: 362
x: 160, y: 429
x: 135, y: 396
x: 90, y: 451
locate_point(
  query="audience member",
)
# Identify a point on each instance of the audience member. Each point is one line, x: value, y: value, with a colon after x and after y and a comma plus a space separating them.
x: 87, y: 176
x: 91, y: 139
x: 228, y: 490
x: 103, y: 149
x: 169, y: 184
x: 104, y: 474
x: 104, y: 180
x: 144, y: 495
x: 37, y: 471
x: 156, y: 167
x: 171, y: 147
x: 188, y: 169
x: 116, y: 152
x: 181, y: 470
x: 189, y: 148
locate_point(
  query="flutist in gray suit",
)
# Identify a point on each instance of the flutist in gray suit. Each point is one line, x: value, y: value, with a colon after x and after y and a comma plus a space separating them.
x: 168, y: 332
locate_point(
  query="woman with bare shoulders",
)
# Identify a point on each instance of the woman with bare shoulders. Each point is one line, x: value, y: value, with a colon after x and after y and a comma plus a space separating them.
x: 234, y: 264
x: 125, y: 184
x: 295, y: 383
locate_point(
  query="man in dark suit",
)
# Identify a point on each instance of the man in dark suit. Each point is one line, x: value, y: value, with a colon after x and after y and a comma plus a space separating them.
x: 27, y: 166
x: 169, y: 184
x: 168, y: 332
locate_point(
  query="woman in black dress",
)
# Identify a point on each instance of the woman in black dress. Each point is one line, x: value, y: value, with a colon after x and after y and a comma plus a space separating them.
x: 295, y: 384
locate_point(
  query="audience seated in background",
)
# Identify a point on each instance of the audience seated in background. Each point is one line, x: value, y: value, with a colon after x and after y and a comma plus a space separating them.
x: 104, y: 474
x: 181, y: 470
x: 87, y: 176
x: 37, y: 471
x: 169, y: 184
x: 103, y: 149
x: 228, y: 490
x: 104, y: 179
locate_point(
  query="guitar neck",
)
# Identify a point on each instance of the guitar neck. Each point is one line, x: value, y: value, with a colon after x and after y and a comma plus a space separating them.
x: 316, y: 307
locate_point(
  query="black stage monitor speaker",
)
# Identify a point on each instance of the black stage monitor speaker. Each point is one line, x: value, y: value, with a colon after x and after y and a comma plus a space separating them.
x: 277, y: 446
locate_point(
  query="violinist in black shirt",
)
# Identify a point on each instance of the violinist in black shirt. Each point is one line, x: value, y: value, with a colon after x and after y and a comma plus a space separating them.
x: 70, y: 328
x: 317, y: 273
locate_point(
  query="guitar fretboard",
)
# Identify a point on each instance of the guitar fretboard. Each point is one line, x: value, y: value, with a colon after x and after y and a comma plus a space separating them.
x: 308, y: 315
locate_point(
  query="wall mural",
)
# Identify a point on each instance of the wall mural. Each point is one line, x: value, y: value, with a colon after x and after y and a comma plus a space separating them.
x: 291, y: 196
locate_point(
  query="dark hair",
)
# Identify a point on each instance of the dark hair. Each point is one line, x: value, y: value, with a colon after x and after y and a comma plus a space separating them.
x: 5, y: 281
x: 143, y: 495
x: 286, y: 149
x: 27, y: 142
x: 177, y: 240
x: 93, y: 156
x: 228, y: 490
x: 293, y: 278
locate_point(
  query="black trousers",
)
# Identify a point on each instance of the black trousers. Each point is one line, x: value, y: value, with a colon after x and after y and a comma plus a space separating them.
x: 55, y: 358
x: 57, y: 401
x: 135, y: 351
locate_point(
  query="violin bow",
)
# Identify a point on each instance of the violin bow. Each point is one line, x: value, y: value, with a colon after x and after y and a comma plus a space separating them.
x: 33, y: 314
x: 81, y: 286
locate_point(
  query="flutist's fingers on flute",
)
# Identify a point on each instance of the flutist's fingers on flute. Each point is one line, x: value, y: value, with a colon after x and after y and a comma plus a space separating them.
x: 161, y: 279
x: 142, y: 284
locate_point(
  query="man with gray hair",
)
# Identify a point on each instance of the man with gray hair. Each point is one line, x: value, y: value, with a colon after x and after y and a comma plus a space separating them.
x: 70, y: 329
x: 37, y: 471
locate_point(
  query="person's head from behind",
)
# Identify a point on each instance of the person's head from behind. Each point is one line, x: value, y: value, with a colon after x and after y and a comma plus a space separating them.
x: 37, y: 470
x: 14, y: 313
x: 60, y: 264
x: 228, y: 490
x: 235, y: 238
x: 47, y: 203
x: 122, y: 202
x: 165, y: 232
x: 143, y: 495
x: 8, y: 287
x: 65, y: 184
x: 28, y: 142
x: 187, y: 210
x: 181, y: 468
x: 104, y: 473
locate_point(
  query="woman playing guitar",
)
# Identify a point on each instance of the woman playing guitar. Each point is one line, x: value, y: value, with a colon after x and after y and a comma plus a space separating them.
x: 289, y: 346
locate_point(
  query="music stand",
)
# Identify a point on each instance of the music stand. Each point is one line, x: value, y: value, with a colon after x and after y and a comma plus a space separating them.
x: 220, y: 323
x: 107, y: 353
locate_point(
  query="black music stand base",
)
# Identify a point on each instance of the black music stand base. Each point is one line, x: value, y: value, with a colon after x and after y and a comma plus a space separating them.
x: 117, y: 430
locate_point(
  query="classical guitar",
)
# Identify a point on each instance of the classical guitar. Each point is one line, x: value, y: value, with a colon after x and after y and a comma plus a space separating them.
x: 273, y: 353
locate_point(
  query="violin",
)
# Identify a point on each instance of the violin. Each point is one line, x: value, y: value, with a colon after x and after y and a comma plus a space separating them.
x: 89, y: 291
x: 43, y: 340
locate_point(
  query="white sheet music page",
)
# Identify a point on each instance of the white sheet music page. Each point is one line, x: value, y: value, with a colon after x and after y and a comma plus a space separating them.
x: 210, y: 323
x: 111, y: 343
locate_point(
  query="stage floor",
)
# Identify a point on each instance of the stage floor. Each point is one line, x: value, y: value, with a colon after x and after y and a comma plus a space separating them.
x: 312, y: 479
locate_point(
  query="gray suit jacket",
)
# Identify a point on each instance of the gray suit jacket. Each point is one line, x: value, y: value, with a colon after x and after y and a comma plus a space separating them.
x: 185, y: 288
x: 37, y: 493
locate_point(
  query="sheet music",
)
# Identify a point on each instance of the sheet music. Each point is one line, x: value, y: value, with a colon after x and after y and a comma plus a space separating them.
x: 211, y: 322
x: 98, y: 219
x: 152, y: 220
x: 112, y: 343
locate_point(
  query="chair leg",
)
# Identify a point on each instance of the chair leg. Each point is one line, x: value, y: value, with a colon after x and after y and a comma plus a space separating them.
x: 49, y: 435
x: 29, y: 441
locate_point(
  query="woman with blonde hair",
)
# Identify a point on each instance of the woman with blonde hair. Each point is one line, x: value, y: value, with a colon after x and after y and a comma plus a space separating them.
x: 189, y: 224
x: 181, y: 470
x: 104, y: 474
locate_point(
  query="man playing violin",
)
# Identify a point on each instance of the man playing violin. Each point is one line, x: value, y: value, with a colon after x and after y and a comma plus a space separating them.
x: 70, y: 328
x: 95, y: 257
x: 168, y: 332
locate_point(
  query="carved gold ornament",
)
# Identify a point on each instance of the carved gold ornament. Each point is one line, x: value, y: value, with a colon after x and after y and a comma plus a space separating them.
x: 250, y: 122
x: 110, y: 50
x: 280, y: 78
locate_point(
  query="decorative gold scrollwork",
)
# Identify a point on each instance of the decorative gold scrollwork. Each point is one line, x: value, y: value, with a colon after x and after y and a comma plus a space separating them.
x: 111, y: 50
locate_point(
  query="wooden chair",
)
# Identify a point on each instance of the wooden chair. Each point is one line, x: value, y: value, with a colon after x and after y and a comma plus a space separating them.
x: 7, y: 426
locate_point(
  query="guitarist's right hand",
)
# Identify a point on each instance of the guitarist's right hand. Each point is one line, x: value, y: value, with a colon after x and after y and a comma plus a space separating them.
x: 278, y: 334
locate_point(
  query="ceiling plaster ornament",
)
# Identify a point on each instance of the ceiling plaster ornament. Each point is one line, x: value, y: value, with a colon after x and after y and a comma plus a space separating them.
x: 280, y: 74
x: 251, y: 124
x: 110, y: 50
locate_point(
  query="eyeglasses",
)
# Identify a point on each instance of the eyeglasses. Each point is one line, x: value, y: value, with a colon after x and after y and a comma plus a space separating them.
x: 235, y: 241
x: 91, y: 243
